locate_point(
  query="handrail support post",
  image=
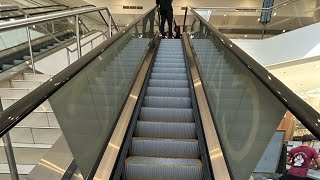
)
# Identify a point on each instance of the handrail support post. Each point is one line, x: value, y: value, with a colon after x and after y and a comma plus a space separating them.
x: 30, y: 50
x: 10, y: 156
x: 78, y: 36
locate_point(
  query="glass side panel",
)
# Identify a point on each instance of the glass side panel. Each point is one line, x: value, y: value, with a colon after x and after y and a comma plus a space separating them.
x: 94, y: 21
x: 88, y: 106
x: 245, y: 112
x: 235, y: 24
x: 34, y: 136
x: 294, y: 15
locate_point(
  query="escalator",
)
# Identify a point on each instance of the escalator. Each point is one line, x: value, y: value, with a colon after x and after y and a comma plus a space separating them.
x: 165, y: 143
x: 141, y: 107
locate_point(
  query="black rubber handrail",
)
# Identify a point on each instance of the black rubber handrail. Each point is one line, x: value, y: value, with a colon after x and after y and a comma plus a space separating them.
x: 18, y: 111
x: 308, y: 116
x: 38, y: 13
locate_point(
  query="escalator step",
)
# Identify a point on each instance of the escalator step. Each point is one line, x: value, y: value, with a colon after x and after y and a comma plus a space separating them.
x: 26, y: 57
x: 167, y: 148
x: 169, y: 65
x: 18, y: 61
x: 168, y: 83
x: 166, y: 115
x: 146, y: 168
x: 169, y: 92
x: 168, y: 70
x: 165, y: 130
x: 170, y: 60
x: 169, y: 76
x: 167, y: 102
x: 7, y: 66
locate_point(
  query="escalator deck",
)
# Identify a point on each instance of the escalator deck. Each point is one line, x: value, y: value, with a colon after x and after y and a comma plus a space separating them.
x: 165, y: 144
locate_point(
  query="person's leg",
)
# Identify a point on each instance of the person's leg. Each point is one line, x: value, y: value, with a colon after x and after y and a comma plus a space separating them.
x: 152, y: 23
x: 163, y: 21
x: 170, y: 19
x: 144, y: 25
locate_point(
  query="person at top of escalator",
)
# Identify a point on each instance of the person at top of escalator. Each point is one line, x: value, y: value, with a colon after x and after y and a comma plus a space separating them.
x: 166, y: 12
x: 300, y: 159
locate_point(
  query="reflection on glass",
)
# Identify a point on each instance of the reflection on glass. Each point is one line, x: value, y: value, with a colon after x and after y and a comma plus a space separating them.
x: 88, y: 106
x: 245, y: 112
x: 94, y: 21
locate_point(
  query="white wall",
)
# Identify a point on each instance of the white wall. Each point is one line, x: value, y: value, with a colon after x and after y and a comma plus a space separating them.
x: 301, y: 43
x: 57, y: 61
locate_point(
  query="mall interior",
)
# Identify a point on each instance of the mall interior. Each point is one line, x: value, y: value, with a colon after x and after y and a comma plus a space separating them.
x: 91, y: 89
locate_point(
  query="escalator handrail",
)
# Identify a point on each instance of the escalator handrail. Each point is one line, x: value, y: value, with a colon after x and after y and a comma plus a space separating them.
x: 249, y: 9
x: 45, y: 18
x: 308, y: 116
x: 37, y: 13
x: 9, y: 8
x: 18, y: 111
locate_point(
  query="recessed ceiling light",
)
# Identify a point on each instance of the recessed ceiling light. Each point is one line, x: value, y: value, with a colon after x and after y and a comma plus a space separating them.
x: 225, y: 15
x: 274, y: 14
x: 245, y: 35
x: 259, y: 19
x: 283, y: 30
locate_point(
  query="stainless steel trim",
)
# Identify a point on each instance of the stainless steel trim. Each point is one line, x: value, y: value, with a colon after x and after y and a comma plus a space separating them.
x: 113, y: 148
x: 45, y: 18
x: 219, y: 165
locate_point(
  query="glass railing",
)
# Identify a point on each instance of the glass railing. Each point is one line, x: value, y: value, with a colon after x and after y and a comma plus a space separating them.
x: 16, y: 44
x: 81, y: 104
x: 246, y: 101
x: 245, y: 23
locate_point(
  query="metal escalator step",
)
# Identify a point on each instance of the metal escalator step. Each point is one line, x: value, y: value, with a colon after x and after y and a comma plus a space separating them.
x: 7, y: 66
x: 26, y: 57
x: 146, y: 168
x: 167, y: 102
x: 163, y: 50
x: 18, y: 61
x: 168, y: 70
x: 169, y: 92
x: 167, y: 148
x: 169, y: 65
x: 168, y: 83
x: 169, y: 76
x: 166, y: 115
x: 170, y: 60
x: 165, y: 130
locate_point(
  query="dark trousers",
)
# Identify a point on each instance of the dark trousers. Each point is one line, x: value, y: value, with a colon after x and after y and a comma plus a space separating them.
x: 166, y: 15
x: 291, y: 177
x: 151, y: 18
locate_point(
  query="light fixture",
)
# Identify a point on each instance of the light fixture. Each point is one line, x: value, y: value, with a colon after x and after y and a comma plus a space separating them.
x: 12, y: 19
x: 258, y: 19
x: 245, y: 35
x: 274, y: 14
x: 225, y: 15
x: 284, y: 30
